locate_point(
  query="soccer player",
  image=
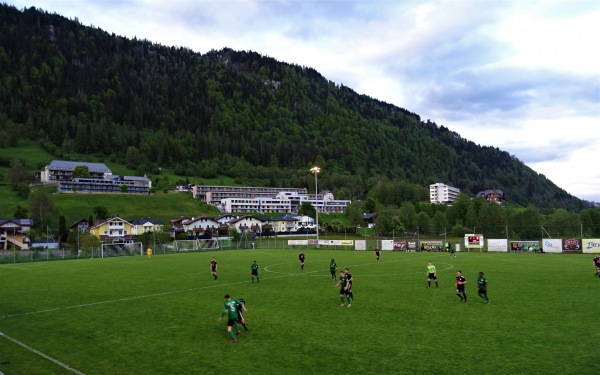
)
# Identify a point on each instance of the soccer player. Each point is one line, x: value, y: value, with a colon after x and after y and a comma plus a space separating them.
x: 460, y: 287
x: 241, y: 305
x: 349, y: 294
x: 213, y: 268
x: 230, y: 308
x: 301, y: 259
x: 482, y: 287
x: 254, y: 271
x: 431, y: 275
x: 332, y: 268
x: 597, y: 264
x: 342, y: 284
x: 149, y: 253
x: 377, y: 253
x: 452, y: 254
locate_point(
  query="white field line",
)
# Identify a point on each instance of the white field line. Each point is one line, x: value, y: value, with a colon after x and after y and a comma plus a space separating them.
x: 56, y: 361
x: 132, y: 298
x: 183, y: 290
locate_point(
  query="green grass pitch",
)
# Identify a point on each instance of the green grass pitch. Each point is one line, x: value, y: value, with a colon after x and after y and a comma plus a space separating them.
x: 132, y: 315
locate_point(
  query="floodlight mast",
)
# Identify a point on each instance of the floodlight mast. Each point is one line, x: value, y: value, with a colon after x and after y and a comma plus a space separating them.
x: 316, y: 170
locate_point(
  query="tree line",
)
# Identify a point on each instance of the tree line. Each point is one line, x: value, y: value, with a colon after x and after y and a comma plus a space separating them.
x: 79, y: 90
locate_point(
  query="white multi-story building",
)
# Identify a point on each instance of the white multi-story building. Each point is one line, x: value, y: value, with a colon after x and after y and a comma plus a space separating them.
x: 442, y: 194
x: 285, y: 202
x: 215, y: 194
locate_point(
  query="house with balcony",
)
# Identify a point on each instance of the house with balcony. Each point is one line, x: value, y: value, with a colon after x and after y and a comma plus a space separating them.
x: 147, y: 225
x: 202, y: 226
x: 491, y: 195
x: 246, y: 223
x: 13, y: 233
x: 285, y: 223
x: 81, y: 225
x: 113, y: 230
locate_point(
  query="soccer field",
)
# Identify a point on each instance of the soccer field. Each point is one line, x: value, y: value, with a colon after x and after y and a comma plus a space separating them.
x: 131, y: 315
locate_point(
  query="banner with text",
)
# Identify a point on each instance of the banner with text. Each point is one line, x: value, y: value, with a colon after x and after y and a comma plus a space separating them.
x: 552, y: 246
x: 397, y: 245
x: 591, y: 245
x: 571, y: 245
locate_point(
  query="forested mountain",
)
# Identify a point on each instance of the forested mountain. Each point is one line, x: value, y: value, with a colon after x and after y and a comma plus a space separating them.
x: 79, y: 89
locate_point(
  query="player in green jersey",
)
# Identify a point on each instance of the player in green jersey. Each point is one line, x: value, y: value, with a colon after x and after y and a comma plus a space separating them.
x: 482, y: 285
x: 431, y: 275
x: 230, y: 308
x: 332, y: 268
x: 342, y: 284
x: 452, y: 250
x: 254, y: 271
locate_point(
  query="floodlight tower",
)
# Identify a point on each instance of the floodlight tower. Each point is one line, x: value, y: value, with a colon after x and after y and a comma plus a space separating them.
x: 315, y: 170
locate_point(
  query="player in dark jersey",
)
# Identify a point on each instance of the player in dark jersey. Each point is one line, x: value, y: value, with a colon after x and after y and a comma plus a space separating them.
x: 349, y: 294
x: 241, y: 305
x: 597, y: 264
x: 213, y: 268
x: 482, y: 287
x: 301, y: 259
x: 332, y: 268
x: 254, y: 271
x: 377, y: 253
x: 460, y: 287
x: 342, y: 284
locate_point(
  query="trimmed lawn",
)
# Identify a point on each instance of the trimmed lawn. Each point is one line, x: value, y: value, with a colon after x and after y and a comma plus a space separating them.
x: 132, y: 315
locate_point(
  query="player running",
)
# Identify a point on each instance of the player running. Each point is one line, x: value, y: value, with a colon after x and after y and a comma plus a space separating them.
x: 241, y: 305
x: 460, y: 287
x: 301, y: 259
x: 230, y: 308
x: 213, y: 268
x: 377, y: 253
x: 254, y: 272
x: 597, y: 264
x: 482, y: 287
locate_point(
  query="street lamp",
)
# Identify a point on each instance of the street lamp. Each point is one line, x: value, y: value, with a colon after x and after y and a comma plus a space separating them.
x: 315, y: 170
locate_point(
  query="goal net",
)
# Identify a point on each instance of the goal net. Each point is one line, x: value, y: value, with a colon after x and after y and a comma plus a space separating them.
x: 196, y: 245
x: 202, y: 244
x: 121, y: 249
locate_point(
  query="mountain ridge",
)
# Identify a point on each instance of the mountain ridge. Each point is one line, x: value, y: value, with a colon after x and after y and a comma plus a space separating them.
x: 79, y: 89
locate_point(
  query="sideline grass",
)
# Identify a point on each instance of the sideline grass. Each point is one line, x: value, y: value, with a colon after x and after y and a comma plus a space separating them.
x: 138, y: 316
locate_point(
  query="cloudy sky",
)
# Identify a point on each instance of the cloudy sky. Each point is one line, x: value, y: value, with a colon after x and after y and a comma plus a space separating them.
x: 523, y: 75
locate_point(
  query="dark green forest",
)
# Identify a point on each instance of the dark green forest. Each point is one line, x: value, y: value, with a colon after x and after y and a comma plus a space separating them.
x: 81, y: 90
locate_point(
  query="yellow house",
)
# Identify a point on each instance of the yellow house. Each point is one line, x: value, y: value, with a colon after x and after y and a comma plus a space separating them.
x: 148, y: 225
x: 113, y: 230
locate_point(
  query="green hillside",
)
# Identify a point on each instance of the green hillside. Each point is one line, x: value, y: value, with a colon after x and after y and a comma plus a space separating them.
x: 79, y: 90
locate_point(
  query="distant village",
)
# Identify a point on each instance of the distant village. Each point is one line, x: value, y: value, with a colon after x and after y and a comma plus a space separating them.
x: 235, y: 202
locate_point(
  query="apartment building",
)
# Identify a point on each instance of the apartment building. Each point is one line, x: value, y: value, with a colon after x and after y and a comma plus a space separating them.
x: 215, y: 194
x: 440, y: 193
